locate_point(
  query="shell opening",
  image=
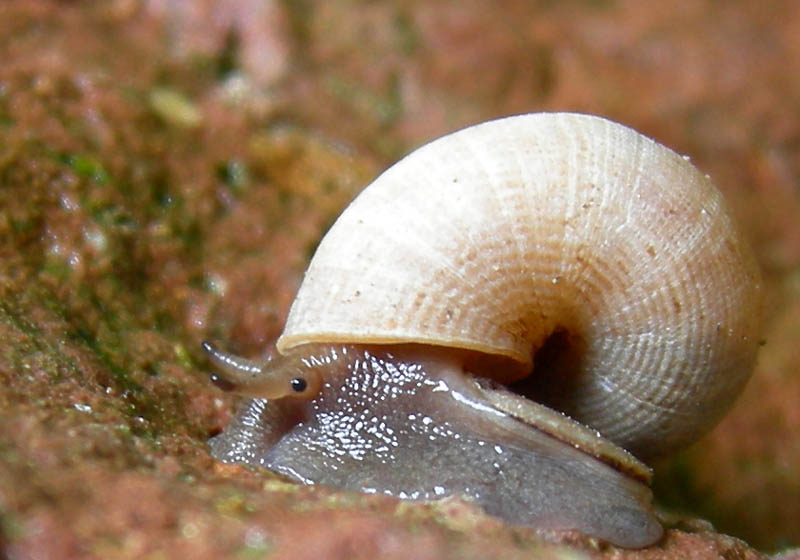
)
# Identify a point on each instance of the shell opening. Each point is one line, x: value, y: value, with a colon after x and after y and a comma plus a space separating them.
x: 557, y: 367
x: 539, y: 400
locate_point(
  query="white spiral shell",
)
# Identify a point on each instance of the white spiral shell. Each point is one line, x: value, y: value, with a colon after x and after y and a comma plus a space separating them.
x: 494, y: 237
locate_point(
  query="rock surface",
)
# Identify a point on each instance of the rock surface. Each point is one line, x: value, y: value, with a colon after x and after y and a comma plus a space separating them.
x: 166, y: 169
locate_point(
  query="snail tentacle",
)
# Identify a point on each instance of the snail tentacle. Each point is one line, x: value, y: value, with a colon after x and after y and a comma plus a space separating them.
x: 273, y: 378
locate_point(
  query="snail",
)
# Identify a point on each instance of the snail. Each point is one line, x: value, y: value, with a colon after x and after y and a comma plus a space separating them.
x: 519, y: 313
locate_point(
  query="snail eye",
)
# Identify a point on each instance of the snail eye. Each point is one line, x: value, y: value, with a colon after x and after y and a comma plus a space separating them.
x: 307, y: 385
x: 299, y: 384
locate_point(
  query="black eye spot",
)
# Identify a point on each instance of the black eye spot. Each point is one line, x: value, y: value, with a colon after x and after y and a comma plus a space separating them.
x: 299, y: 384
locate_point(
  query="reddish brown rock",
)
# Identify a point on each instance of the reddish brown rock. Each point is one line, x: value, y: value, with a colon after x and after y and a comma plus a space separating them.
x: 160, y: 185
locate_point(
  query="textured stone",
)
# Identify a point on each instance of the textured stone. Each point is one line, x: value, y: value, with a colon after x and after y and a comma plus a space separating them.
x: 126, y: 239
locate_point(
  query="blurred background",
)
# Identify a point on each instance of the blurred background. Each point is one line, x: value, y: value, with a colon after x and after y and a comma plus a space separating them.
x: 167, y: 168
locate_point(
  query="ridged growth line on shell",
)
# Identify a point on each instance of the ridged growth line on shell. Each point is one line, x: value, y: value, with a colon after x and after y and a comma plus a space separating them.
x: 494, y: 237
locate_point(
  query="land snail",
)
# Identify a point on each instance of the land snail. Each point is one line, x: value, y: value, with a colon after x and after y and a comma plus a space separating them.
x: 518, y: 313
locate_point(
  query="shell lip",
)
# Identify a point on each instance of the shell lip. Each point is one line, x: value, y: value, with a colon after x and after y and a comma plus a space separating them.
x: 477, y: 357
x: 289, y: 340
x: 563, y: 428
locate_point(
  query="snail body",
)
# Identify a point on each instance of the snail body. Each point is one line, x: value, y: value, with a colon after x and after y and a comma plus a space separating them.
x: 565, y: 256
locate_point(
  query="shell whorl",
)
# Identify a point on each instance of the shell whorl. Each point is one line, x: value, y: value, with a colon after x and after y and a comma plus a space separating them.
x: 494, y: 237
